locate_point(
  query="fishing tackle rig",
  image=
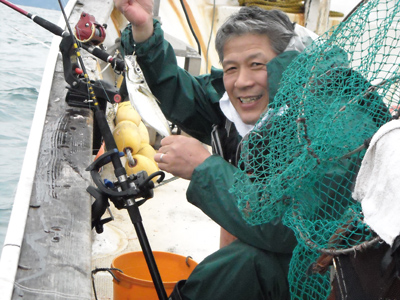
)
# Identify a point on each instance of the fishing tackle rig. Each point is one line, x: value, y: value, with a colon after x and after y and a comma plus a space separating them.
x: 90, y: 34
x: 95, y: 94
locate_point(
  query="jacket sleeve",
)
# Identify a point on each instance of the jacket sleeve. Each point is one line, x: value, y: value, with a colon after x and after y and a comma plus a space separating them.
x: 190, y: 102
x: 209, y: 191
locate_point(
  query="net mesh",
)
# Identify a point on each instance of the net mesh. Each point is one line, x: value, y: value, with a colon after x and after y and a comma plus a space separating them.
x: 300, y: 161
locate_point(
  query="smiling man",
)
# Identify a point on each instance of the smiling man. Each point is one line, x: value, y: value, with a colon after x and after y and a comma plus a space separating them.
x: 254, y: 46
x: 245, y: 75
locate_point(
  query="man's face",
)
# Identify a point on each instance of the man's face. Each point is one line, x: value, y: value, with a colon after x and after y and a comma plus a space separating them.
x: 245, y: 74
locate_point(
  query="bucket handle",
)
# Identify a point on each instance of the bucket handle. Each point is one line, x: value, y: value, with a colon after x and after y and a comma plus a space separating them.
x: 187, y: 260
x: 109, y: 270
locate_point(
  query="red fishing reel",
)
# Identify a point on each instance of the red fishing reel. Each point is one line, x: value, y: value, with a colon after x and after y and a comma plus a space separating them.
x: 88, y: 31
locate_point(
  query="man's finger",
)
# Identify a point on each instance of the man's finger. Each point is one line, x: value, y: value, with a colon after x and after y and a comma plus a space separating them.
x: 168, y: 140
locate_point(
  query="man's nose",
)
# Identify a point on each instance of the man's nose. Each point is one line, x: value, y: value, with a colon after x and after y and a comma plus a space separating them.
x: 244, y: 79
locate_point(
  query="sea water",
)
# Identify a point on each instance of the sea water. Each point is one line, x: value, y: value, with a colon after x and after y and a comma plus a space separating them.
x: 24, y: 46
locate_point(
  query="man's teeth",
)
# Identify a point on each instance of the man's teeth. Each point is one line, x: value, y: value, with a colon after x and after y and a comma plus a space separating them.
x: 249, y: 99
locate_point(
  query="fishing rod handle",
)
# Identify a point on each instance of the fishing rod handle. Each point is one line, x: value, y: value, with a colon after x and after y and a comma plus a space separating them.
x: 117, y: 64
x: 48, y: 25
x: 38, y: 20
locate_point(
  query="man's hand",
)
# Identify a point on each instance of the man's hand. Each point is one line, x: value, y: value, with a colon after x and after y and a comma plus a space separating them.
x: 180, y: 155
x: 140, y: 14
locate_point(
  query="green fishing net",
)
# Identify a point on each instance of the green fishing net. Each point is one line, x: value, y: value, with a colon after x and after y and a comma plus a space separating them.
x: 300, y: 162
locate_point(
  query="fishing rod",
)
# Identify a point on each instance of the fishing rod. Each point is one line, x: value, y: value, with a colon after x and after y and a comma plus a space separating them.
x: 124, y: 192
x: 117, y: 64
x: 77, y: 92
x: 132, y: 187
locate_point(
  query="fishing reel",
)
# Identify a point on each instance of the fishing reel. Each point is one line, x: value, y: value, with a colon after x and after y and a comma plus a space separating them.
x: 139, y: 185
x: 88, y: 31
x: 91, y: 34
x: 77, y: 95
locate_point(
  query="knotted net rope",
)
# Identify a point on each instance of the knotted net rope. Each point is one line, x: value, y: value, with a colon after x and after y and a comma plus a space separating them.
x: 300, y: 162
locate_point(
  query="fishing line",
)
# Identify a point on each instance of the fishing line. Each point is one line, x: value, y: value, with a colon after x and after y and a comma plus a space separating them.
x: 29, y: 36
x: 97, y: 75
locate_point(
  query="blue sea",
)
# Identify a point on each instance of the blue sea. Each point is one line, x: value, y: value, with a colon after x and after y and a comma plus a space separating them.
x: 24, y: 46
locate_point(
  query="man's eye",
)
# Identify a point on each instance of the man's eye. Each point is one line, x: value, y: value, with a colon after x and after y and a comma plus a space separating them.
x: 257, y: 65
x: 229, y: 70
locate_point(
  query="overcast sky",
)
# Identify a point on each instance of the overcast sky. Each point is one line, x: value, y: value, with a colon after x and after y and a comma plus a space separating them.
x: 344, y: 6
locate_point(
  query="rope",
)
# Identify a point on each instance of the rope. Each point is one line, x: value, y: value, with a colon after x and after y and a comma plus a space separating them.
x: 288, y: 6
x: 129, y: 157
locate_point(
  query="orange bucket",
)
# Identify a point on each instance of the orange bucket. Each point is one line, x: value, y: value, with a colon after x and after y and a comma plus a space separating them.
x: 135, y: 282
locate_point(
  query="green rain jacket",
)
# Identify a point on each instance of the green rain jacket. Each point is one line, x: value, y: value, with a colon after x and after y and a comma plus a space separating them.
x: 193, y: 104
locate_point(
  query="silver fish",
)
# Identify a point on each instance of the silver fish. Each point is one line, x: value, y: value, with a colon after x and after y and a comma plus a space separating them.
x: 141, y: 98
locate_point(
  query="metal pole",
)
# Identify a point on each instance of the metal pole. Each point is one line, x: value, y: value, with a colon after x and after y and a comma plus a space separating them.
x: 156, y: 8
